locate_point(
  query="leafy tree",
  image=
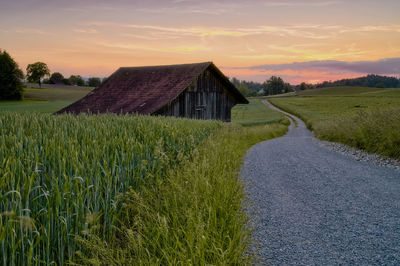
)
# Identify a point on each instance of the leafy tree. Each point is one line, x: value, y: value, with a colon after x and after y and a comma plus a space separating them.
x: 46, y: 81
x: 303, y: 86
x: 276, y: 85
x: 66, y: 81
x: 380, y: 85
x: 56, y: 78
x: 236, y: 82
x: 288, y: 87
x: 252, y: 88
x: 245, y: 91
x: 36, y: 71
x: 94, y: 82
x: 11, y: 87
x: 255, y: 87
x: 76, y: 80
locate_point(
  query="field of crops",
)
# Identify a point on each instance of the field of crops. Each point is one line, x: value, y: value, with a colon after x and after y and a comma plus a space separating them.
x: 60, y: 175
x: 118, y: 190
x: 365, y: 118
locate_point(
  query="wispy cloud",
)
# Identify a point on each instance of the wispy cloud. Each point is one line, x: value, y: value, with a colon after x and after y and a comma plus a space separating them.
x: 316, y: 32
x: 86, y: 31
x: 185, y: 31
x: 31, y: 31
x: 187, y: 10
x: 300, y: 3
x: 149, y: 37
x: 176, y: 49
x: 373, y: 28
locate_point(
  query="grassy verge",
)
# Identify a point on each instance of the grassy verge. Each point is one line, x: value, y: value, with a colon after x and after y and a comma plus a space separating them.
x: 367, y: 119
x: 192, y: 217
x: 375, y: 131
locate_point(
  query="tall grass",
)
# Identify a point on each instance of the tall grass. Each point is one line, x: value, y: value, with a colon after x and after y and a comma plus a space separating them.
x: 192, y: 217
x: 60, y: 175
x: 376, y: 132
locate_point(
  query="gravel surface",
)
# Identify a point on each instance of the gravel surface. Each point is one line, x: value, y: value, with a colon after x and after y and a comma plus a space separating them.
x: 360, y: 155
x: 314, y: 206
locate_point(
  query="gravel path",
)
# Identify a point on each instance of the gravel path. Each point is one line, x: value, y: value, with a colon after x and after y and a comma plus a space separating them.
x: 314, y: 206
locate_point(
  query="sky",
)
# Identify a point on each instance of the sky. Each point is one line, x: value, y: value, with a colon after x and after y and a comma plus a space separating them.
x: 299, y: 40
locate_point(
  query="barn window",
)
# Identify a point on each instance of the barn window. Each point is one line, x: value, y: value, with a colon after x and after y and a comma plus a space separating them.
x: 200, y: 107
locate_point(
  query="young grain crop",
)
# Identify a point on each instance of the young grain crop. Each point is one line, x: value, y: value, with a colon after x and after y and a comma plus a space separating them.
x: 60, y: 175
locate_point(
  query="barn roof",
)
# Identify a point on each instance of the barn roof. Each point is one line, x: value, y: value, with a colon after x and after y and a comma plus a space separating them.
x: 145, y: 90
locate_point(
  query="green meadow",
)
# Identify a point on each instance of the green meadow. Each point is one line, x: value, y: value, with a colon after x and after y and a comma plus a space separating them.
x: 365, y: 118
x: 124, y: 190
x: 44, y: 100
x: 254, y: 113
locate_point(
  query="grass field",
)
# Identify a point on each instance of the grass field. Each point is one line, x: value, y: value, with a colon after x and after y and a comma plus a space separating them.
x: 56, y: 94
x: 365, y: 118
x: 255, y: 113
x: 130, y: 190
x: 44, y: 100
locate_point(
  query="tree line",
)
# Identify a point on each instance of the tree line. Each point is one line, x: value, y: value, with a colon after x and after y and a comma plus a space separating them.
x: 275, y: 85
x: 37, y: 71
x: 11, y: 76
x: 367, y: 81
x: 272, y: 86
x: 73, y: 80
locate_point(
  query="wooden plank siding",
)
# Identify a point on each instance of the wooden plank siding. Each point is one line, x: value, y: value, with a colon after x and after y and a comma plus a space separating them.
x: 206, y: 98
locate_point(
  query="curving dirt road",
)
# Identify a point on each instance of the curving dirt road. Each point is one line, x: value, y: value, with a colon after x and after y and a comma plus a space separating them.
x: 313, y: 206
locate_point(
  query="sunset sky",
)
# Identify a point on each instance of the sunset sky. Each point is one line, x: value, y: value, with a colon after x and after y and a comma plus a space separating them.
x: 298, y: 40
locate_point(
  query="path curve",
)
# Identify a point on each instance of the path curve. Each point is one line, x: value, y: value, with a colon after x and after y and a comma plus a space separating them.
x: 313, y: 206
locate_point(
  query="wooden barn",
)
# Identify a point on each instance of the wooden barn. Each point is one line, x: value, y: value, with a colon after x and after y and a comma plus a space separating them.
x: 197, y: 91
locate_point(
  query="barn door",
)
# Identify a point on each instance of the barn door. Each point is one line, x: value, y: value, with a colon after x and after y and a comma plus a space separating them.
x: 199, y: 113
x: 200, y: 106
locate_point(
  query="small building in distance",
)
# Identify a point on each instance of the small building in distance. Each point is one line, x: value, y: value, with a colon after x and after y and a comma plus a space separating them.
x: 198, y: 91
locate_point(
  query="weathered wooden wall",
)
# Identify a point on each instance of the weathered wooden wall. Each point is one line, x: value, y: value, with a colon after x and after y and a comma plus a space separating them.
x: 206, y: 98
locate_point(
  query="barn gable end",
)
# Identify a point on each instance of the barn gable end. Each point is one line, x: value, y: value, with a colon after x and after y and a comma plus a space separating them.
x: 206, y: 98
x: 198, y: 91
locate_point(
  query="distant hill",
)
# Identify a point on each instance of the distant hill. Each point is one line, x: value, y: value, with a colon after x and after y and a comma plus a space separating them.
x: 367, y: 81
x: 352, y: 91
